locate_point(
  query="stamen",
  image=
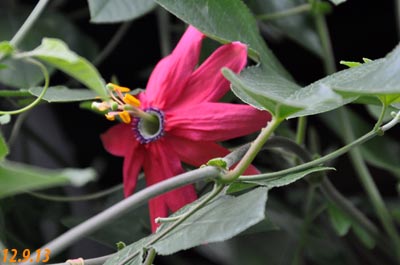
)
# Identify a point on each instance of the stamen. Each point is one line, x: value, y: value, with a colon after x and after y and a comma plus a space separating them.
x: 129, y: 99
x: 125, y: 116
x: 110, y: 117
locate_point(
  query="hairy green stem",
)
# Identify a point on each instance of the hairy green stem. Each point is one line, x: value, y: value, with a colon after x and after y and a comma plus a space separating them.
x: 151, y: 255
x: 286, y: 13
x: 24, y: 29
x: 215, y: 192
x: 16, y: 128
x: 87, y: 197
x: 114, y: 212
x: 381, y: 116
x: 369, y: 185
x: 114, y: 41
x: 39, y: 98
x: 255, y: 147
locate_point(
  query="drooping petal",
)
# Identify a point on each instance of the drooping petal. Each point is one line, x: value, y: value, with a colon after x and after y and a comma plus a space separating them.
x: 197, y: 153
x: 157, y: 208
x: 119, y: 139
x: 215, y: 121
x: 207, y: 84
x: 132, y: 164
x: 171, y: 74
x: 162, y: 163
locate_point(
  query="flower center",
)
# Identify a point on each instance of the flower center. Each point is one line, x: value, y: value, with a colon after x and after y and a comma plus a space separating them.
x: 147, y: 131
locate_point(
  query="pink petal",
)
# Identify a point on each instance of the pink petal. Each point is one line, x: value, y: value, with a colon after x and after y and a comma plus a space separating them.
x: 157, y: 208
x: 132, y: 164
x: 162, y: 163
x: 171, y: 74
x: 207, y: 83
x: 197, y: 153
x: 215, y: 121
x: 119, y: 139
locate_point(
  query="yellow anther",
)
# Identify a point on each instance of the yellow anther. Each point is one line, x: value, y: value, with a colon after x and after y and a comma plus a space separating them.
x: 110, y: 117
x: 125, y: 116
x: 131, y: 100
x: 118, y: 88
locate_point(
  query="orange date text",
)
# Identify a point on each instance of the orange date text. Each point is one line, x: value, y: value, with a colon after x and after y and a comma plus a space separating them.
x: 14, y: 255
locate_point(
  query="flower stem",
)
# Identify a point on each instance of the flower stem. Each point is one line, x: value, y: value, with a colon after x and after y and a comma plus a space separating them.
x: 255, y: 147
x: 34, y: 15
x: 369, y: 185
x: 15, y: 93
x: 218, y: 188
x: 151, y: 255
x: 163, y: 32
x: 381, y: 116
x: 39, y: 98
x: 288, y: 12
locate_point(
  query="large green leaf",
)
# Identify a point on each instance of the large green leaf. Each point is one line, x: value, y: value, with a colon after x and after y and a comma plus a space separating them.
x: 371, y: 150
x: 3, y: 147
x: 22, y: 74
x: 298, y: 27
x: 288, y: 179
x: 16, y: 177
x: 225, y: 21
x: 64, y: 94
x: 107, y: 11
x: 382, y: 80
x: 281, y: 97
x: 220, y: 220
x: 56, y: 53
x: 340, y: 222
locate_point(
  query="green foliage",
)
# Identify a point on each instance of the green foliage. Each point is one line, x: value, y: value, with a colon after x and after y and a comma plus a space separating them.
x: 17, y: 178
x: 64, y: 94
x: 221, y: 219
x: 288, y: 179
x: 3, y: 147
x: 56, y: 53
x: 340, y: 222
x: 111, y: 11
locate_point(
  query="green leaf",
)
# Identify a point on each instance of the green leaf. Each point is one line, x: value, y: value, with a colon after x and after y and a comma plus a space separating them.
x: 340, y: 222
x: 56, y: 53
x: 3, y: 147
x: 338, y: 2
x: 111, y: 11
x: 136, y: 247
x: 226, y: 21
x: 22, y: 74
x: 220, y: 220
x: 297, y: 27
x: 17, y: 178
x: 382, y: 152
x: 4, y: 119
x: 5, y: 49
x: 382, y: 79
x: 288, y: 179
x: 367, y: 240
x: 64, y: 94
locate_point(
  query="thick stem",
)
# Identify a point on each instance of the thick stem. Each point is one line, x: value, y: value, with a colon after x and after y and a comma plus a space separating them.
x: 255, y: 147
x: 24, y: 29
x: 301, y: 130
x: 164, y: 31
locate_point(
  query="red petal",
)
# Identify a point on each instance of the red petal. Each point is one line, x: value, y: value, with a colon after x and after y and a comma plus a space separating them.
x: 132, y: 164
x: 197, y: 153
x: 171, y: 74
x: 119, y: 139
x: 162, y: 163
x: 215, y: 121
x: 157, y: 208
x: 207, y: 83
